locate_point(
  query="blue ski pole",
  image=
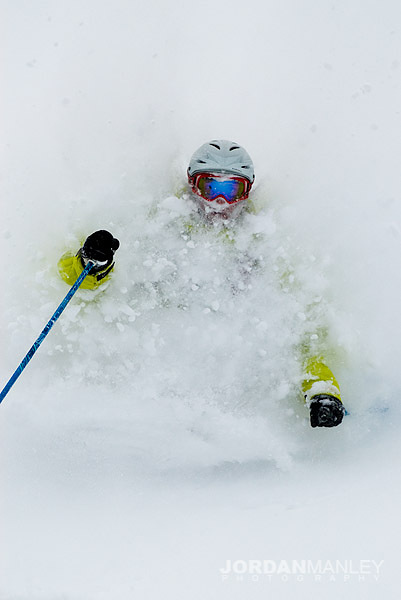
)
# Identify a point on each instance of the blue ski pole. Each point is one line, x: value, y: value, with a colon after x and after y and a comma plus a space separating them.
x: 45, y: 331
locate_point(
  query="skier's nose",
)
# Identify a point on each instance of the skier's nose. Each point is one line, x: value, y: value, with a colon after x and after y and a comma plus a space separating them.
x: 220, y: 201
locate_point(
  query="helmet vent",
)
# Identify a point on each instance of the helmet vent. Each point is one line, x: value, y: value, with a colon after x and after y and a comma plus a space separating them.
x: 203, y: 162
x: 234, y: 148
x: 216, y: 146
x: 245, y: 167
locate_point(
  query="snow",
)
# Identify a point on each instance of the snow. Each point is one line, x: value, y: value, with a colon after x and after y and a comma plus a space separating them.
x: 158, y: 433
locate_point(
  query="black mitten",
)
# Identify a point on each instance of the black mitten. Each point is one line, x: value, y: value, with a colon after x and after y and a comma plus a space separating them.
x: 99, y: 248
x: 326, y: 411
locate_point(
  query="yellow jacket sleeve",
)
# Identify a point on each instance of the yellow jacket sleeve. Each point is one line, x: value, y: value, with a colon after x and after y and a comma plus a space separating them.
x: 318, y: 379
x: 70, y: 267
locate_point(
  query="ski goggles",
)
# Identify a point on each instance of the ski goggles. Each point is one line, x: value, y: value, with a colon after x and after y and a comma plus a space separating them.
x: 210, y: 187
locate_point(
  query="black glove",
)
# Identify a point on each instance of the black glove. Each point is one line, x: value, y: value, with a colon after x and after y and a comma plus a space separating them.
x: 326, y: 411
x: 99, y: 247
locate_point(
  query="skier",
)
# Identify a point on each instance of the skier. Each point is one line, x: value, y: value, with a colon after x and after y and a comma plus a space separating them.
x: 220, y: 176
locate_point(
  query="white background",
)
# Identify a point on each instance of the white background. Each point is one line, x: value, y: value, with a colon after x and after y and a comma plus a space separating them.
x: 146, y: 444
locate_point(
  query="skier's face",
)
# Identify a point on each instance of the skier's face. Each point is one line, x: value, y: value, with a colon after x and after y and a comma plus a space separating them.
x: 219, y: 195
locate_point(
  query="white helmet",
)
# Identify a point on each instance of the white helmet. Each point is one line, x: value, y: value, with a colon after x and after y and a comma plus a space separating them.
x: 222, y: 156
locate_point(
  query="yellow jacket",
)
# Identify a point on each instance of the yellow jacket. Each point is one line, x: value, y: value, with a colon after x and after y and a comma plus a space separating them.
x: 317, y: 377
x: 70, y: 267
